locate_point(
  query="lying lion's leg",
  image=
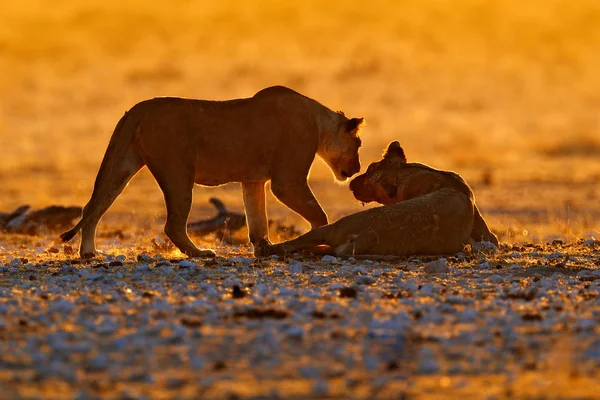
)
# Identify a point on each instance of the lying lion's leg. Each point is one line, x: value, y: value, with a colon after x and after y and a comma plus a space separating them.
x: 480, y: 231
x: 256, y: 216
x: 307, y: 241
x: 177, y: 187
x: 110, y: 182
x: 298, y: 196
x: 359, y: 243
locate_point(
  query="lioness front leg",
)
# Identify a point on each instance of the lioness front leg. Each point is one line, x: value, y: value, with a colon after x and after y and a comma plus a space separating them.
x: 177, y: 189
x: 256, y: 216
x: 298, y: 196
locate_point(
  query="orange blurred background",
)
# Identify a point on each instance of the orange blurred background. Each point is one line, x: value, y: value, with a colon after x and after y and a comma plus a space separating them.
x: 506, y: 93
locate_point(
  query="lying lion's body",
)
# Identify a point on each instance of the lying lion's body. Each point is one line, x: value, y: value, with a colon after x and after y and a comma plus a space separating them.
x: 273, y: 135
x: 426, y: 211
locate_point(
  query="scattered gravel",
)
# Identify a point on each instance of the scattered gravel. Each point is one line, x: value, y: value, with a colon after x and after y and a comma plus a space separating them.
x: 148, y: 325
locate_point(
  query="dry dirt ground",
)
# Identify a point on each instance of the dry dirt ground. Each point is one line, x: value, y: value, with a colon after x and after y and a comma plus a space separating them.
x: 504, y: 92
x: 521, y: 322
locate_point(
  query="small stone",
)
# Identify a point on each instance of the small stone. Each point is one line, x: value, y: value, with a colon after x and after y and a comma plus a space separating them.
x: 197, y: 362
x: 178, y: 279
x: 136, y: 276
x: 296, y: 268
x: 484, y: 247
x: 164, y: 271
x: 437, y: 266
x: 61, y: 306
x: 242, y: 260
x: 554, y: 256
x: 187, y: 264
x: 359, y: 270
x: 231, y: 281
x: 590, y: 242
x: 208, y: 289
x: 3, y: 268
x: 427, y: 289
x: 309, y: 372
x: 294, y: 332
x: 67, y: 269
x: 485, y: 265
x: 98, y: 363
x: 142, y: 268
x: 329, y: 259
x: 365, y: 280
x: 16, y: 262
x: 410, y: 286
x: 317, y: 279
x: 144, y: 258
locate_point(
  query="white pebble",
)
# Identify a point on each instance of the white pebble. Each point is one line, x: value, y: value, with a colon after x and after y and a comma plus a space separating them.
x: 142, y: 268
x: 484, y: 247
x: 359, y: 270
x: 365, y: 280
x: 296, y: 267
x: 437, y: 266
x: 187, y: 264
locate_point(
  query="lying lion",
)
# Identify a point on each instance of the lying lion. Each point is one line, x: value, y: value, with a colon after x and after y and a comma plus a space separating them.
x: 426, y: 211
x: 273, y: 135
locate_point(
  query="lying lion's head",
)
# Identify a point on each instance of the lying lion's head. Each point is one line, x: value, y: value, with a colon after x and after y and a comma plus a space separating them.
x: 379, y: 182
x: 340, y: 150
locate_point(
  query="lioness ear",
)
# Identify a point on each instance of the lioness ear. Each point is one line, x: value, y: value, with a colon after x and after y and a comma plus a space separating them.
x: 353, y: 124
x: 394, y: 150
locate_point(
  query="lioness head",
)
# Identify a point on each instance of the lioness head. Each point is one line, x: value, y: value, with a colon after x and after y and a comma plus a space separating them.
x: 379, y: 182
x: 339, y: 149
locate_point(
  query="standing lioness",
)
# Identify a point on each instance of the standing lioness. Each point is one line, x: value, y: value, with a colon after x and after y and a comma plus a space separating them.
x: 274, y: 135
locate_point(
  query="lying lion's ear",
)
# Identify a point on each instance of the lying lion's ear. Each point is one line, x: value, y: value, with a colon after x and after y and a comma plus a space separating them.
x: 353, y: 124
x: 394, y: 150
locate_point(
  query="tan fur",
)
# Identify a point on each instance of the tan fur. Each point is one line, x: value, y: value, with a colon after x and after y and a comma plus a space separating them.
x: 426, y: 211
x: 273, y: 135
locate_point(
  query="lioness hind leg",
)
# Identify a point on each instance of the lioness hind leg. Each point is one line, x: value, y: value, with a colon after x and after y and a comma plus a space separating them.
x: 109, y: 184
x: 256, y: 216
x: 177, y: 190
